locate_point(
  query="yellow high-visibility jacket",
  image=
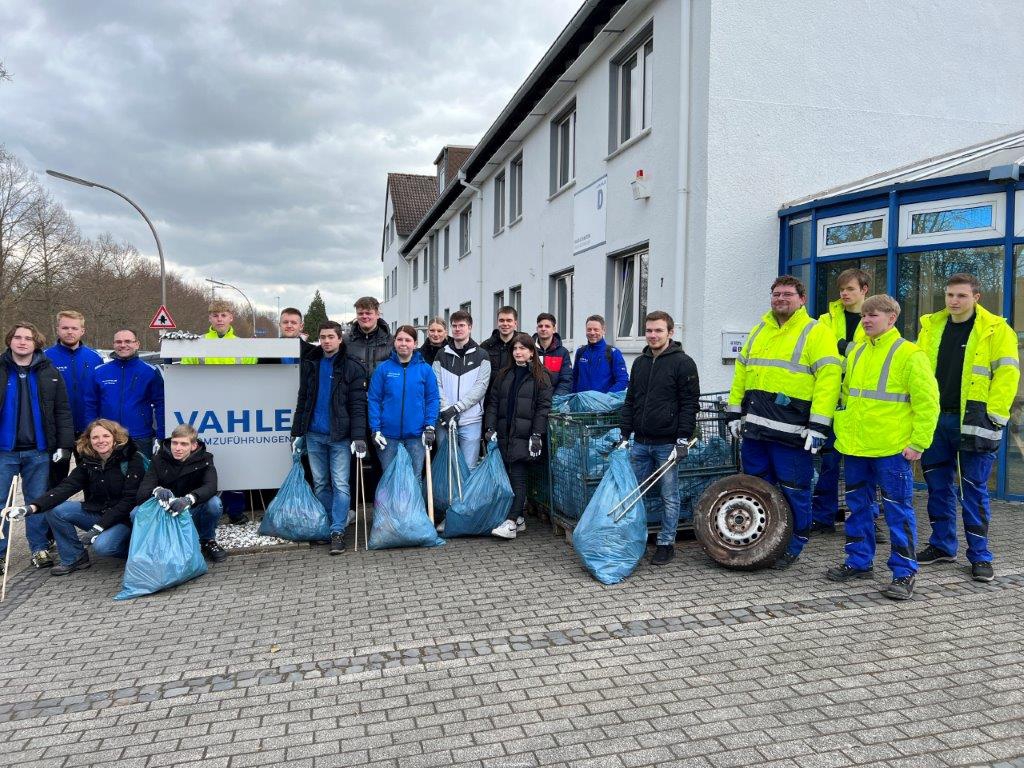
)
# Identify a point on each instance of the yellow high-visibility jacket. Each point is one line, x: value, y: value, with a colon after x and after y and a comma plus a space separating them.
x: 212, y: 334
x: 889, y: 400
x: 990, y: 375
x: 787, y: 379
x: 835, y: 319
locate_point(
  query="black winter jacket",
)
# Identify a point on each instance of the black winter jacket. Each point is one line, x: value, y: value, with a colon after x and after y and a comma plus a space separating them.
x: 110, y: 487
x: 195, y: 474
x: 663, y: 397
x: 348, y: 396
x: 430, y: 352
x: 499, y: 351
x: 533, y: 404
x: 58, y: 424
x: 371, y: 349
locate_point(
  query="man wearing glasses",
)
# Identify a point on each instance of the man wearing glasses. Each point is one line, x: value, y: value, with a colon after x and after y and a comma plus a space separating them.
x: 783, y: 396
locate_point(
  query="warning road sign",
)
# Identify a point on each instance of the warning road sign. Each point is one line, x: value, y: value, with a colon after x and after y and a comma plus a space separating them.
x: 162, y: 320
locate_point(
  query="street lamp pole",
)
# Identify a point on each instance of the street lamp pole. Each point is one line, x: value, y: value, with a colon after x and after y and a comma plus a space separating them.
x: 159, y: 247
x: 279, y: 317
x: 235, y: 287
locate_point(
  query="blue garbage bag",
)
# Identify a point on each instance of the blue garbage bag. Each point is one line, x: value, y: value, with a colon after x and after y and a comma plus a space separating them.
x: 449, y: 472
x: 296, y: 514
x: 486, y: 499
x: 164, y: 551
x: 611, y: 546
x: 399, y: 512
x: 593, y: 401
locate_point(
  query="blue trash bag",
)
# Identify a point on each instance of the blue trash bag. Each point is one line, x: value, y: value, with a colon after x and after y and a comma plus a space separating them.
x: 399, y: 512
x: 560, y: 403
x: 593, y: 401
x: 164, y: 552
x: 611, y: 546
x: 296, y: 514
x: 486, y: 499
x: 448, y: 464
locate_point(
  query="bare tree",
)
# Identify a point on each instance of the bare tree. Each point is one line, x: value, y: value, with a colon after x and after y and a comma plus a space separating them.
x: 56, y: 246
x: 19, y: 193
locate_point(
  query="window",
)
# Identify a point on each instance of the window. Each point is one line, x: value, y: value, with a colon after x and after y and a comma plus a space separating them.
x: 861, y: 231
x: 415, y: 273
x: 467, y: 307
x: 563, y: 148
x: 515, y: 194
x: 499, y: 301
x: 941, y: 221
x: 828, y: 272
x: 800, y: 240
x: 515, y: 298
x: 447, y: 244
x: 499, y: 202
x: 389, y: 233
x: 426, y: 265
x: 562, y: 302
x: 630, y: 294
x: 447, y: 314
x: 387, y: 287
x: 394, y: 281
x: 632, y: 90
x: 440, y: 177
x: 464, y: 217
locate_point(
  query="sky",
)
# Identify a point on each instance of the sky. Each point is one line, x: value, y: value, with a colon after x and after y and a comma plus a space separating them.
x: 258, y: 135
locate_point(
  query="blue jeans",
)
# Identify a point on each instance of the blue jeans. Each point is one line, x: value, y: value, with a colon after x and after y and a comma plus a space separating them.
x: 896, y: 479
x: 330, y: 463
x: 416, y: 454
x: 65, y: 520
x: 791, y: 469
x: 469, y: 442
x: 939, y: 464
x: 34, y: 467
x: 646, y: 459
x: 205, y: 517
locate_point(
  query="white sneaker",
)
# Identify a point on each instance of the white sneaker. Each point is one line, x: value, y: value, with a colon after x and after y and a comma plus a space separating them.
x: 439, y: 527
x: 506, y: 530
x: 520, y: 524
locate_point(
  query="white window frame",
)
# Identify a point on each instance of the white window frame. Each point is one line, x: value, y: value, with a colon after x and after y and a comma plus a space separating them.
x: 997, y: 229
x: 415, y: 272
x: 564, y: 314
x: 640, y: 308
x: 853, y: 218
x: 515, y: 190
x: 499, y: 203
x: 467, y: 306
x: 387, y: 286
x: 640, y: 96
x: 440, y: 176
x: 499, y: 301
x: 426, y: 264
x: 515, y: 298
x: 560, y: 149
x: 465, y: 230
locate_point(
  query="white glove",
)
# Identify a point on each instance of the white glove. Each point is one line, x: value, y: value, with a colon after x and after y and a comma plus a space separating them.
x: 17, y: 513
x: 156, y: 445
x: 94, y: 532
x: 813, y: 440
x: 623, y: 444
x: 59, y: 455
x: 736, y: 428
x: 380, y: 440
x: 358, y: 448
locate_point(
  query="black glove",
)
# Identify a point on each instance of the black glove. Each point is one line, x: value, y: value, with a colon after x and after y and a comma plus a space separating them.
x: 448, y: 414
x: 162, y: 494
x: 682, y: 448
x: 535, y: 445
x: 428, y: 437
x: 490, y: 435
x: 358, y: 448
x: 182, y: 503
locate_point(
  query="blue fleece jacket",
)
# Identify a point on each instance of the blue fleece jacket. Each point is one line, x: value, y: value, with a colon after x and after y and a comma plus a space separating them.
x: 76, y: 366
x: 403, y: 399
x: 591, y: 372
x: 131, y: 392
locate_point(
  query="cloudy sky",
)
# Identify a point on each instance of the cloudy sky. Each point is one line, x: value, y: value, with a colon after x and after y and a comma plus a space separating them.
x: 257, y: 134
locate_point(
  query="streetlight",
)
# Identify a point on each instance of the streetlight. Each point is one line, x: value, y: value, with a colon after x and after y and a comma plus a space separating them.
x: 159, y: 247
x: 279, y: 317
x: 229, y: 285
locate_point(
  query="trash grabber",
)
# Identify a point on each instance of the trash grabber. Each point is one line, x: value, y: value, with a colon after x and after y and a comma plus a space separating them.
x: 11, y: 496
x: 362, y: 491
x: 355, y: 503
x: 453, y: 460
x: 430, y: 488
x: 643, y: 488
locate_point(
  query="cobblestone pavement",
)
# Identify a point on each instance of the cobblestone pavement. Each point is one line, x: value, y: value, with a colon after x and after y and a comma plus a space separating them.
x: 489, y: 653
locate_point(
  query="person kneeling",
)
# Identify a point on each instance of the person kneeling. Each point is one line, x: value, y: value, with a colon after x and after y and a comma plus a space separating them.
x: 183, y: 476
x: 108, y: 476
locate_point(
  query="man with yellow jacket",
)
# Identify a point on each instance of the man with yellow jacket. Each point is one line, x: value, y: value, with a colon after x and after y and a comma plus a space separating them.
x: 974, y: 356
x: 221, y: 318
x: 783, y: 395
x: 887, y: 414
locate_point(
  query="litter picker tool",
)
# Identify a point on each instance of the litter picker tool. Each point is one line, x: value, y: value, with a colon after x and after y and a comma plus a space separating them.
x: 12, y: 494
x: 430, y: 488
x: 453, y: 462
x: 633, y: 498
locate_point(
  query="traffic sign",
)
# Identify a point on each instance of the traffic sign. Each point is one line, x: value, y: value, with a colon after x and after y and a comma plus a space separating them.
x: 162, y: 320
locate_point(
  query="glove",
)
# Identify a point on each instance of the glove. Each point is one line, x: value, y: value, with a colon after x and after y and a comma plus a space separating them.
x: 156, y: 446
x: 448, y: 414
x: 842, y: 344
x: 17, y: 513
x: 428, y: 437
x: 298, y: 444
x: 59, y: 455
x: 813, y: 440
x: 682, y: 448
x: 93, y: 533
x: 491, y: 436
x: 535, y: 446
x: 380, y: 440
x: 623, y: 445
x: 358, y: 448
x: 181, y: 503
x: 736, y: 428
x: 162, y: 495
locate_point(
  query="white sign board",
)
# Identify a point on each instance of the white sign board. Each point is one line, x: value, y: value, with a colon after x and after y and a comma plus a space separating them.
x: 589, y: 215
x: 732, y: 343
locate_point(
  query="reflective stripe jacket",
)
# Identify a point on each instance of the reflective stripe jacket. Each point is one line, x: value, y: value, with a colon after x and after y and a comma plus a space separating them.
x: 835, y: 319
x: 787, y: 379
x: 212, y: 334
x: 989, y: 381
x: 890, y: 398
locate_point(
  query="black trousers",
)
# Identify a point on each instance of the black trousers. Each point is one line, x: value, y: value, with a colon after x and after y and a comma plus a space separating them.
x: 517, y: 477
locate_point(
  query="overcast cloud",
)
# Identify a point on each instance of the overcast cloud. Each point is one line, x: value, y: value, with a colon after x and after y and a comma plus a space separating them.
x: 258, y: 134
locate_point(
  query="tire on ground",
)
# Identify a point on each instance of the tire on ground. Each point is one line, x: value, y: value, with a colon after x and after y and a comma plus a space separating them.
x: 743, y: 522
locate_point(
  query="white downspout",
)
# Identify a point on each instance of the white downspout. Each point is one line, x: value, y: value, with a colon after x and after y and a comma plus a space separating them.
x: 479, y: 241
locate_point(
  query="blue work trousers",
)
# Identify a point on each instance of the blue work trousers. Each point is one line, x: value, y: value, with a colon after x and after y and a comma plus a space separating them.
x: 792, y: 470
x: 825, y: 499
x: 896, y: 479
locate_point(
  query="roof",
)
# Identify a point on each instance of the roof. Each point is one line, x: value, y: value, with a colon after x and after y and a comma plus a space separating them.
x: 456, y: 157
x: 994, y: 153
x: 412, y: 195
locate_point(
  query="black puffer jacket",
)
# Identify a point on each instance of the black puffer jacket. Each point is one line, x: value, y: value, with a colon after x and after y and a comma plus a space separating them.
x: 58, y: 425
x: 532, y: 406
x: 371, y: 348
x: 195, y: 474
x: 663, y: 397
x: 110, y: 486
x: 348, y: 396
x: 430, y: 352
x: 499, y: 351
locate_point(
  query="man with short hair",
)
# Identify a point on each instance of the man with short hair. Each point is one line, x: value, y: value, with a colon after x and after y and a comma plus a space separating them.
x: 331, y: 424
x: 598, y: 367
x: 131, y: 392
x: 290, y: 325
x: 974, y: 356
x: 784, y: 393
x: 182, y: 474
x: 553, y: 356
x: 498, y: 345
x: 368, y: 338
x: 76, y: 363
x: 36, y: 426
x: 885, y: 420
x: 463, y: 372
x: 660, y: 411
x: 221, y: 316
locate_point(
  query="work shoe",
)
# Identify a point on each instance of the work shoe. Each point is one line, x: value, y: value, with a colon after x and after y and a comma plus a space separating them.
x: 817, y: 527
x: 982, y: 571
x: 663, y: 554
x: 846, y: 572
x: 42, y: 559
x: 900, y: 589
x: 506, y: 530
x: 337, y: 544
x: 214, y: 551
x: 881, y: 535
x: 785, y: 561
x: 520, y: 524
x: 80, y: 564
x: 931, y: 554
